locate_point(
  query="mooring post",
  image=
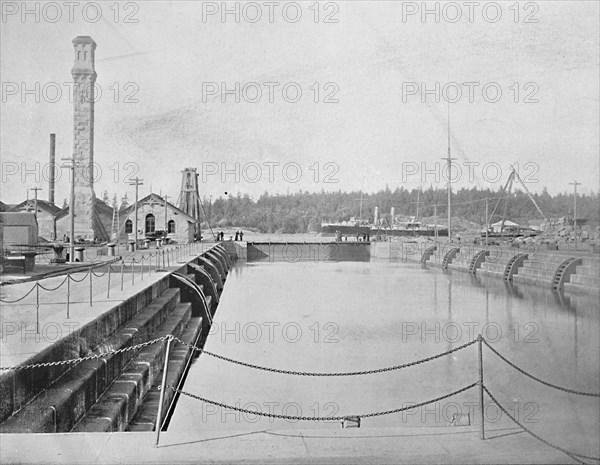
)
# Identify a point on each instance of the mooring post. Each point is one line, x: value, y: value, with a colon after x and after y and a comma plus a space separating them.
x: 37, y: 308
x: 68, y: 293
x: 163, y: 385
x: 122, y: 272
x: 91, y: 281
x: 480, y: 353
x: 108, y: 288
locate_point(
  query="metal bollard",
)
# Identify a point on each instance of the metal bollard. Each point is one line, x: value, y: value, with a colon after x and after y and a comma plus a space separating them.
x: 108, y: 287
x: 68, y: 294
x: 37, y: 308
x: 480, y: 351
x: 163, y: 385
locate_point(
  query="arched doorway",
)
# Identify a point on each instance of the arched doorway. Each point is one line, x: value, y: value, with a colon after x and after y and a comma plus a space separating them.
x: 150, y: 223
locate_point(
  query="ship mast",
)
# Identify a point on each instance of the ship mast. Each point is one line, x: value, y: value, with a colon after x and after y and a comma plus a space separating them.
x: 449, y: 188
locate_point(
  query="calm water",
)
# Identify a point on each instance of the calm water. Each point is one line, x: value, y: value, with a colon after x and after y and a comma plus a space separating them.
x: 352, y: 316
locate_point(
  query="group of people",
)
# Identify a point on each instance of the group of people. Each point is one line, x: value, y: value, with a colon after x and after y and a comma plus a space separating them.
x: 239, y: 236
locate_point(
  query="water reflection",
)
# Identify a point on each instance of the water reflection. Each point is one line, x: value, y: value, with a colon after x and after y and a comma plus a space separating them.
x: 389, y: 313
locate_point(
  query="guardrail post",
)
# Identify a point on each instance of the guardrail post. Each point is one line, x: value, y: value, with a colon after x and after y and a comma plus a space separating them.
x: 163, y: 385
x: 37, y: 308
x: 108, y: 287
x: 91, y: 286
x: 132, y: 271
x: 168, y: 256
x: 142, y: 266
x: 122, y: 272
x: 480, y: 358
x: 68, y: 294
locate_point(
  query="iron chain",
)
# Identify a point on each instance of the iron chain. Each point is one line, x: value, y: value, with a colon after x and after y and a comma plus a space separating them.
x: 520, y: 370
x: 573, y: 455
x: 292, y: 417
x: 308, y: 373
x: 89, y: 357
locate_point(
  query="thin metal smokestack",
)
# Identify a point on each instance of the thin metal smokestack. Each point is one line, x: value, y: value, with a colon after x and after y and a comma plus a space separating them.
x: 51, y: 180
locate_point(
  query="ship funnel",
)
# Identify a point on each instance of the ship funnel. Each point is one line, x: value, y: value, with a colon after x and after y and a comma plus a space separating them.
x: 376, y: 216
x: 392, y: 214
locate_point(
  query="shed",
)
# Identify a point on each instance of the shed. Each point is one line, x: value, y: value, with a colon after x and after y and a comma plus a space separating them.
x: 18, y: 229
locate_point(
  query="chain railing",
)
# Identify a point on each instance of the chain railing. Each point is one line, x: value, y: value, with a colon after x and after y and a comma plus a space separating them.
x: 535, y: 378
x: 73, y: 361
x: 167, y: 255
x: 480, y: 340
x: 319, y: 418
x: 323, y: 374
x: 573, y: 455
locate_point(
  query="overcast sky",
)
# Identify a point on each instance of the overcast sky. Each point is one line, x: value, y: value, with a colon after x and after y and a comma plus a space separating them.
x: 369, y: 127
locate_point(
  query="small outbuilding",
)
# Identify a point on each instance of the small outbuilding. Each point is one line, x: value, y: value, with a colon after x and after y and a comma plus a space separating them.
x: 17, y: 229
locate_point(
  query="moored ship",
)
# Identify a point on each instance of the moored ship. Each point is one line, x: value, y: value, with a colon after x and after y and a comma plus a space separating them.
x: 350, y: 227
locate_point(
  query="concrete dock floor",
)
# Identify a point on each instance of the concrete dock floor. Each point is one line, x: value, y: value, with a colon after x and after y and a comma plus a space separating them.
x: 425, y: 445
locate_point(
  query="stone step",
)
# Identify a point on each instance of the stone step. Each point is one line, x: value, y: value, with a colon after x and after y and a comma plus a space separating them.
x: 532, y: 279
x: 493, y: 267
x: 145, y: 419
x: 538, y: 265
x: 583, y: 270
x: 19, y: 387
x: 62, y: 405
x: 588, y: 281
x: 580, y: 289
x: 458, y: 266
x: 534, y: 272
x: 118, y: 405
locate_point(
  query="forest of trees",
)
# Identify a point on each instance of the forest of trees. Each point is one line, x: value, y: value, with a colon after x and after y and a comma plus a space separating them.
x: 303, y: 211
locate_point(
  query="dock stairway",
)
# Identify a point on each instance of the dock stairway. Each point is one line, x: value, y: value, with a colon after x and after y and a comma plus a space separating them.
x: 564, y: 272
x: 114, y: 388
x: 586, y: 276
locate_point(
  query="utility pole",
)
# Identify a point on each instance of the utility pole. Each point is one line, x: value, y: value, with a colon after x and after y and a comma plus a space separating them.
x: 449, y: 160
x: 166, y: 223
x: 487, y: 226
x: 71, y: 163
x: 137, y: 182
x: 35, y: 190
x: 435, y: 222
x: 575, y: 184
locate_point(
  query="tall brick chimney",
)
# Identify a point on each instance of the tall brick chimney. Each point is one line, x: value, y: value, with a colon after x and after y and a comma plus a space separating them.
x: 84, y: 77
x: 51, y: 173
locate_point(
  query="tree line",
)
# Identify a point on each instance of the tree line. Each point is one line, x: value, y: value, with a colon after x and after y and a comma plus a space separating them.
x: 303, y: 212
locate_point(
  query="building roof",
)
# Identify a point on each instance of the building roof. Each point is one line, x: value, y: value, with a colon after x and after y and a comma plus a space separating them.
x: 98, y: 204
x: 41, y: 205
x: 18, y: 219
x: 157, y: 199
